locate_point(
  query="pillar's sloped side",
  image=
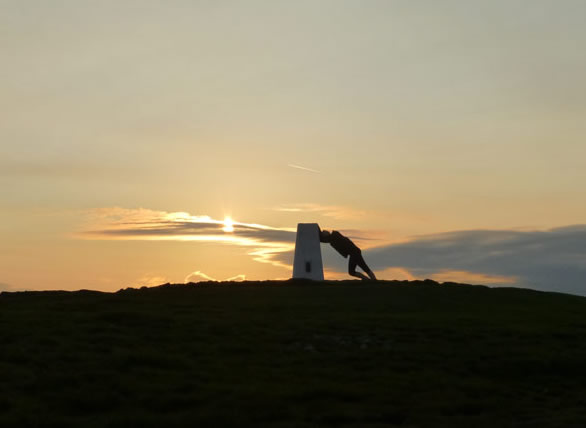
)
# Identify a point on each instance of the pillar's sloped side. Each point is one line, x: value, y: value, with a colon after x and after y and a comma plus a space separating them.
x: 307, y: 262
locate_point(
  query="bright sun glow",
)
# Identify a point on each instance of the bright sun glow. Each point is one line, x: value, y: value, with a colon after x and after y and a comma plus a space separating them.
x: 228, y: 225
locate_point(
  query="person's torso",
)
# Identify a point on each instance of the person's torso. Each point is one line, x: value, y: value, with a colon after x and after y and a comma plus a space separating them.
x: 342, y: 245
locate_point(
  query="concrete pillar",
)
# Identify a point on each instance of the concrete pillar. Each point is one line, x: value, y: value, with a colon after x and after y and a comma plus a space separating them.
x: 307, y: 262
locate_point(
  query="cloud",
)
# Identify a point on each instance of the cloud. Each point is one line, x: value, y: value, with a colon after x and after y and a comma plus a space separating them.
x: 396, y: 273
x: 472, y: 277
x: 331, y: 211
x: 200, y: 276
x: 547, y: 260
x: 240, y: 277
x: 152, y: 280
x: 304, y: 168
x: 142, y: 224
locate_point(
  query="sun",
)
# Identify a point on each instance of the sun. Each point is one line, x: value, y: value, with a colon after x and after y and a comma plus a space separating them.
x: 228, y: 225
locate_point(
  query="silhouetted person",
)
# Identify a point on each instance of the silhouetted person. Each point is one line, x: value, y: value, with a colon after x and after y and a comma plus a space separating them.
x: 346, y: 248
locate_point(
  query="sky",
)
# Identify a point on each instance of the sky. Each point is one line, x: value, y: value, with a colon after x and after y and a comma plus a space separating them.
x: 144, y: 142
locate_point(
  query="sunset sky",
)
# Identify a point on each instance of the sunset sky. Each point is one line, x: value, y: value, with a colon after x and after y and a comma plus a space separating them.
x: 151, y: 141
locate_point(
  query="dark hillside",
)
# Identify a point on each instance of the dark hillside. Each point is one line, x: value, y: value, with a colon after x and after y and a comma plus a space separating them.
x: 294, y: 354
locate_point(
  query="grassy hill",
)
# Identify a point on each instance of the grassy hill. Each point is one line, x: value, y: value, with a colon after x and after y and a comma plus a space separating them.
x: 294, y: 354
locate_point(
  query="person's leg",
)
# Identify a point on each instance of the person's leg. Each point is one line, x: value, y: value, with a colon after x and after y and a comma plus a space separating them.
x: 362, y: 263
x: 352, y: 262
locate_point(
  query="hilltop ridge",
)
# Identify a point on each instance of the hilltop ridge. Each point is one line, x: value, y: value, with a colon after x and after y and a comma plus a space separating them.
x: 290, y: 353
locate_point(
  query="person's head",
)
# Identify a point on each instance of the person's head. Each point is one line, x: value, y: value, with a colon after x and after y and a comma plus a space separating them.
x: 324, y: 234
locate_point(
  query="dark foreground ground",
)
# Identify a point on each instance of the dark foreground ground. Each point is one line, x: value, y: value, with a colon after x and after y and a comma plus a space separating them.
x: 291, y: 354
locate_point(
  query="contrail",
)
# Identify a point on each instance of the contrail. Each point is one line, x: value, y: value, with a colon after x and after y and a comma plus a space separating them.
x: 304, y: 168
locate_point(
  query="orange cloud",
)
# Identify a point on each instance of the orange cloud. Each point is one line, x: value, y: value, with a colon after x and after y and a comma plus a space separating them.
x: 472, y: 277
x: 395, y: 273
x: 151, y: 280
x: 332, y: 211
x: 200, y: 276
x: 117, y: 223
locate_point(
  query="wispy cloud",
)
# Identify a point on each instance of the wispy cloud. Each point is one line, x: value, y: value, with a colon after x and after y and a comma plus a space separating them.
x: 200, y: 276
x: 237, y: 278
x: 472, y: 277
x: 303, y: 168
x: 336, y: 212
x: 150, y: 280
x: 142, y: 224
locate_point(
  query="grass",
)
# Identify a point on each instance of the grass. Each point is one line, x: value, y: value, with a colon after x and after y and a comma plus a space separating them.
x: 294, y: 354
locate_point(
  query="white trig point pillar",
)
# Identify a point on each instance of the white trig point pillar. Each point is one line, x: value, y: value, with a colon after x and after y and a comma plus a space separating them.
x: 307, y: 262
